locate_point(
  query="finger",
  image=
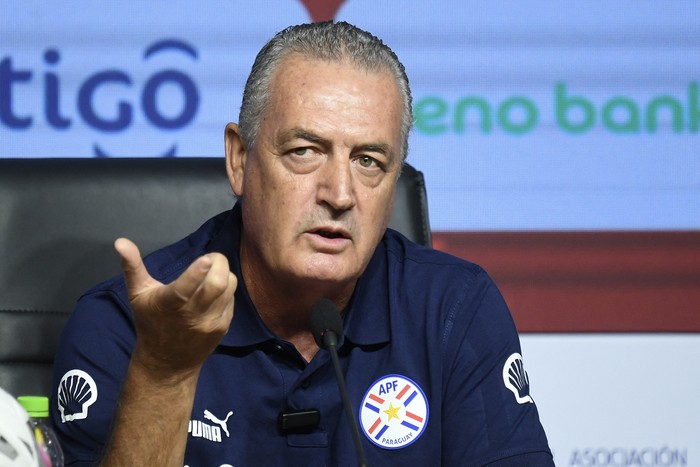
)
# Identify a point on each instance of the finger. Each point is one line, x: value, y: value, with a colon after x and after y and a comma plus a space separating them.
x: 218, y: 313
x: 184, y: 287
x: 137, y: 277
x: 218, y: 284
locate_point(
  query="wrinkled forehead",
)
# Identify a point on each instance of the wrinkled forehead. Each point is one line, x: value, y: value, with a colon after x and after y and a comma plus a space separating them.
x: 297, y: 61
x: 339, y: 93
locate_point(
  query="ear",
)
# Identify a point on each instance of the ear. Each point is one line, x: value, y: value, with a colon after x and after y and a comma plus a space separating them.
x: 236, y: 157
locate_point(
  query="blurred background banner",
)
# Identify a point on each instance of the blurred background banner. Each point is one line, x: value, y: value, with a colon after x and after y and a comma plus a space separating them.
x: 530, y: 115
x: 560, y: 144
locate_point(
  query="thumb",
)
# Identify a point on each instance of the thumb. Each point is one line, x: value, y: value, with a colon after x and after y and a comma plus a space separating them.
x: 137, y: 277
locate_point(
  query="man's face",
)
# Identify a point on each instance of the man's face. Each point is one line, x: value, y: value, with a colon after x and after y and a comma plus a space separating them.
x: 318, y: 188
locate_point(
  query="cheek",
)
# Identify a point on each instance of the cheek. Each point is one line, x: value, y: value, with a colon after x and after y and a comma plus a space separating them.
x: 287, y: 208
x: 381, y: 216
x: 380, y: 204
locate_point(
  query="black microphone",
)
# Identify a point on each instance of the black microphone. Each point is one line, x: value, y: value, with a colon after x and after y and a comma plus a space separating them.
x: 327, y: 327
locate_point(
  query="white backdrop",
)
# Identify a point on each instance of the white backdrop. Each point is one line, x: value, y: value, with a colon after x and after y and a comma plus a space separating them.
x: 617, y: 400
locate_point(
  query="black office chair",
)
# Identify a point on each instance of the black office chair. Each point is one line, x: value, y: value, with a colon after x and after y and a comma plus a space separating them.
x: 58, y: 221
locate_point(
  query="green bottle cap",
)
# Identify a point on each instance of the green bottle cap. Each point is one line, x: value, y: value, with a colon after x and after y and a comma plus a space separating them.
x: 36, y: 406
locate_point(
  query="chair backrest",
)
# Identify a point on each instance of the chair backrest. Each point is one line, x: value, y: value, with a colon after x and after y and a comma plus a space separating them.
x: 59, y: 218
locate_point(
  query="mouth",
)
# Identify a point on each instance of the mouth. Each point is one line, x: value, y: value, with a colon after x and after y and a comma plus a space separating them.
x: 331, y: 233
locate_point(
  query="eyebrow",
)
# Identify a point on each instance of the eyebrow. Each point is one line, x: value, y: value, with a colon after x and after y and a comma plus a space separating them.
x: 301, y: 133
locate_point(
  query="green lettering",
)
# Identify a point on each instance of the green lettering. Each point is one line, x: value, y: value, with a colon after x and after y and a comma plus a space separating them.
x: 480, y: 105
x: 659, y: 103
x: 429, y: 114
x: 624, y: 106
x: 565, y: 104
x: 530, y: 115
x: 693, y: 108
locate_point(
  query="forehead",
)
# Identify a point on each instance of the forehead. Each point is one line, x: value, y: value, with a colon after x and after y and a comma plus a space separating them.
x: 317, y: 93
x: 295, y: 64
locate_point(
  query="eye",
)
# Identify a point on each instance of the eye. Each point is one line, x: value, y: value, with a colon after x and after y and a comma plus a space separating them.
x: 300, y: 151
x: 366, y: 161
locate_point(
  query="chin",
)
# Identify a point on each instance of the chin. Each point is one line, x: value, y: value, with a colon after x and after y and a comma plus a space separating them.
x: 327, y: 277
x: 330, y: 274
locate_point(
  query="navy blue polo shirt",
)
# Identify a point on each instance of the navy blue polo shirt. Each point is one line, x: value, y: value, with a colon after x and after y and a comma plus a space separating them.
x: 430, y: 355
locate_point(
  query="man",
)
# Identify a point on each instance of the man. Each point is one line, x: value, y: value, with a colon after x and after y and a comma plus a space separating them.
x: 153, y: 370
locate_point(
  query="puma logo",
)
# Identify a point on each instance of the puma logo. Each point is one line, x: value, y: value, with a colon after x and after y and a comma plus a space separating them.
x: 222, y: 423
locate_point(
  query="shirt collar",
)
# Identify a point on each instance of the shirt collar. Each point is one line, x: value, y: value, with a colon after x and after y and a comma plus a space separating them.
x: 367, y: 319
x: 247, y: 329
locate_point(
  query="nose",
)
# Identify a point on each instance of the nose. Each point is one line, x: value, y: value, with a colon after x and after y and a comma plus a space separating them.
x: 336, y: 185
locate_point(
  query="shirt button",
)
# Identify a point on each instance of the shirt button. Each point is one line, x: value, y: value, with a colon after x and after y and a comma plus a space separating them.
x: 305, y: 383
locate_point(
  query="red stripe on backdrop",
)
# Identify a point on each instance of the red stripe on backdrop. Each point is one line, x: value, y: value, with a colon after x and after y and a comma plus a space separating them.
x: 590, y: 281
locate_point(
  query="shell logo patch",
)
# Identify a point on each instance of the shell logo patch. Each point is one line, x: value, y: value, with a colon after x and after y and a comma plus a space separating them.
x: 394, y: 412
x: 515, y: 378
x: 77, y: 391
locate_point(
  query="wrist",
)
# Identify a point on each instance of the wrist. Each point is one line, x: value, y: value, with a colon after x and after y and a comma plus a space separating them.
x: 162, y: 372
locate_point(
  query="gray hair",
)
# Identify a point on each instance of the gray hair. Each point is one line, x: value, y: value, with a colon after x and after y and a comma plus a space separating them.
x: 329, y: 41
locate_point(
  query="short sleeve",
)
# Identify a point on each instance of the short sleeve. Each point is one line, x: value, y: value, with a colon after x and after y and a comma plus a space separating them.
x: 90, y: 366
x: 489, y: 413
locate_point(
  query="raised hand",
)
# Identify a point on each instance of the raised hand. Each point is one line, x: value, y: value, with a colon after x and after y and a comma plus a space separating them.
x: 178, y: 325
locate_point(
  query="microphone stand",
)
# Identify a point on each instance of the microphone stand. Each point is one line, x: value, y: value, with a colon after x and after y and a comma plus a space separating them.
x: 330, y: 339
